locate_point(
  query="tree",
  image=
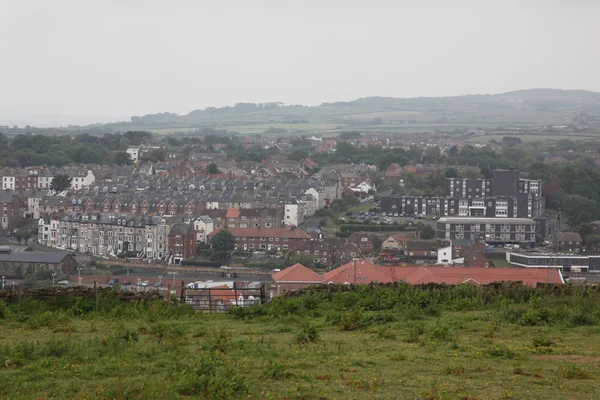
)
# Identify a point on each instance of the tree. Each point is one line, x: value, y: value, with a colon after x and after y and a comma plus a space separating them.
x: 60, y: 183
x: 427, y: 232
x: 453, y: 151
x: 26, y: 236
x: 19, y: 236
x: 298, y: 155
x: 212, y: 169
x: 122, y: 158
x: 350, y: 135
x: 223, y: 245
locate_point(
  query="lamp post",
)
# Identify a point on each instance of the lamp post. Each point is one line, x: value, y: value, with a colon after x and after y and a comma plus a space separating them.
x: 78, y: 276
x: 173, y: 273
x: 53, y: 275
x: 160, y: 281
x: 138, y: 284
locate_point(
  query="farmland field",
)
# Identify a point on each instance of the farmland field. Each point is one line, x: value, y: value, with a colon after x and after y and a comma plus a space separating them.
x: 395, y: 342
x: 536, y: 138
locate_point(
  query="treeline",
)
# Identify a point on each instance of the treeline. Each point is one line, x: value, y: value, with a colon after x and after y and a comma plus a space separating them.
x: 37, y: 150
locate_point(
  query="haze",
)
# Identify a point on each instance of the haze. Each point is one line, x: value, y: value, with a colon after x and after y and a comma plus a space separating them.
x: 83, y: 61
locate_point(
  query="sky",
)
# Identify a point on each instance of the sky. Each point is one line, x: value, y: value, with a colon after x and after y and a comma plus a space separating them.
x: 84, y: 61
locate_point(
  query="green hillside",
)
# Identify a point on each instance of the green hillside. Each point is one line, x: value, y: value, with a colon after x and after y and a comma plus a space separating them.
x: 379, y: 342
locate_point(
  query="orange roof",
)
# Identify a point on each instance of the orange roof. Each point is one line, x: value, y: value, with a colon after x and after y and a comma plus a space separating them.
x: 365, y: 272
x: 266, y: 232
x: 297, y: 273
x: 233, y: 213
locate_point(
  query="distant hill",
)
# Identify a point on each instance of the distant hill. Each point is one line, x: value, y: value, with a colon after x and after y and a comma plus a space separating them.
x: 511, y: 110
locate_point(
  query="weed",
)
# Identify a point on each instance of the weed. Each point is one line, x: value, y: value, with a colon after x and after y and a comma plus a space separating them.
x: 397, y: 356
x: 441, y: 333
x: 308, y: 334
x: 454, y: 370
x: 201, y: 331
x: 385, y: 333
x: 572, y: 371
x: 274, y: 371
x: 499, y: 351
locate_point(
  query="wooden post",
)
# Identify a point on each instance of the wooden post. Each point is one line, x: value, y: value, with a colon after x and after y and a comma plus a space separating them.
x: 169, y: 294
x: 182, y: 296
x: 209, y: 301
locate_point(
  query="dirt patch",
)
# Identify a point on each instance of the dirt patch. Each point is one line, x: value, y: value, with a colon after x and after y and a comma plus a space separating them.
x: 569, y: 358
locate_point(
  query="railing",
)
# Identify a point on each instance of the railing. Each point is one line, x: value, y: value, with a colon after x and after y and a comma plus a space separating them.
x: 220, y: 299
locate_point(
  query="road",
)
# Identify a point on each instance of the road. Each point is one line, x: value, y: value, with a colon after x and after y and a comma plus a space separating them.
x: 311, y: 224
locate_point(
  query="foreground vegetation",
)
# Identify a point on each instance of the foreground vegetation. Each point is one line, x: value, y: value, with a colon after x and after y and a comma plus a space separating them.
x: 387, y: 342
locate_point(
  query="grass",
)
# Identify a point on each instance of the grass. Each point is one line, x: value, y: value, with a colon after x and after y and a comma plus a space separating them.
x: 535, y: 138
x: 151, y: 351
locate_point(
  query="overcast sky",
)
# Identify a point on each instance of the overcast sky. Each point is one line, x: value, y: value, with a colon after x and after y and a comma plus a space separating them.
x: 93, y: 60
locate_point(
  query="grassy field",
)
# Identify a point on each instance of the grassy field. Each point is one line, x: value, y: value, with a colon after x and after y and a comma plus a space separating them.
x: 535, y: 138
x: 372, y: 343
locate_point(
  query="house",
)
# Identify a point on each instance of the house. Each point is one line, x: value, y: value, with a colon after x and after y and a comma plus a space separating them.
x: 363, y: 241
x: 474, y: 256
x: 11, y: 209
x: 394, y: 243
x: 420, y: 249
x: 16, y: 264
x: 81, y: 179
x: 308, y: 165
x: 329, y: 251
x: 393, y: 173
x: 295, y: 277
x: 570, y: 241
x: 181, y: 242
x: 203, y: 225
x: 251, y: 239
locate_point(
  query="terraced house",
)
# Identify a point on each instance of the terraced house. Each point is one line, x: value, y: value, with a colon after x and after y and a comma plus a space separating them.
x: 104, y: 234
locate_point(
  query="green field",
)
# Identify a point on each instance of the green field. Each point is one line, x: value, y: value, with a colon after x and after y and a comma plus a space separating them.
x: 393, y: 342
x: 548, y: 138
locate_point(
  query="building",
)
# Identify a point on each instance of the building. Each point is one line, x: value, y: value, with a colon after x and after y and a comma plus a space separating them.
x: 564, y: 262
x: 329, y: 251
x: 11, y: 209
x: 252, y: 239
x: 203, y: 225
x: 503, y: 196
x: 80, y: 179
x: 134, y: 153
x: 181, y: 243
x: 19, y: 263
x: 363, y: 272
x: 105, y: 234
x: 497, y: 231
x: 294, y: 278
x: 571, y: 241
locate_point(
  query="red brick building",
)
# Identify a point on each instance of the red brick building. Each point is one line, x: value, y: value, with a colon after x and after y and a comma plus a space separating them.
x: 11, y: 209
x: 257, y: 239
x: 181, y: 242
x: 26, y: 180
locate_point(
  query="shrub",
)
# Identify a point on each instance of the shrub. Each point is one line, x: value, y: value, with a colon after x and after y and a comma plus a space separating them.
x: 502, y: 352
x: 385, y: 333
x: 308, y: 334
x: 274, y: 370
x: 573, y: 371
x: 541, y: 342
x: 441, y: 333
x: 582, y: 319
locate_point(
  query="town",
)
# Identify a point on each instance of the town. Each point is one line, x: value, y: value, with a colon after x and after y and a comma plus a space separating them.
x: 269, y: 204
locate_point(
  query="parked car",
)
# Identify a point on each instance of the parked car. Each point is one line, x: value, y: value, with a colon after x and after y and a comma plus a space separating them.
x: 126, y: 283
x: 145, y: 283
x: 395, y: 214
x: 158, y: 284
x: 63, y: 283
x: 112, y: 282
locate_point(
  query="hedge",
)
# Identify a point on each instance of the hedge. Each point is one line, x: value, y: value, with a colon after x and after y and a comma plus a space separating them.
x: 373, y: 228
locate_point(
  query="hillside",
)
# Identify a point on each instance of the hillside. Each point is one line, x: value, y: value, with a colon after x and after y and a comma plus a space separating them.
x: 522, y: 108
x: 336, y: 342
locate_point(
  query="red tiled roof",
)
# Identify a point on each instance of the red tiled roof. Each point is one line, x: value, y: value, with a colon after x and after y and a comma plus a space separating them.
x: 365, y: 272
x: 267, y: 233
x: 232, y: 213
x: 297, y: 273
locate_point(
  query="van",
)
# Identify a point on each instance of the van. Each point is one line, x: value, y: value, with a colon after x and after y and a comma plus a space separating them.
x: 508, y: 247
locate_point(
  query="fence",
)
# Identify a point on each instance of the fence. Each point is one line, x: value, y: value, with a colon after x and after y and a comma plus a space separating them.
x: 222, y: 298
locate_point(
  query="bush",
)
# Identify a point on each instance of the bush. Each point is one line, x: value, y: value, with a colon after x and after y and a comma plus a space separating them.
x: 573, y: 371
x: 308, y: 334
x: 441, y: 333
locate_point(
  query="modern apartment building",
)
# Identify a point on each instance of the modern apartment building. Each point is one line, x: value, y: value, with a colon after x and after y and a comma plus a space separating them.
x: 504, y: 196
x: 497, y: 231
